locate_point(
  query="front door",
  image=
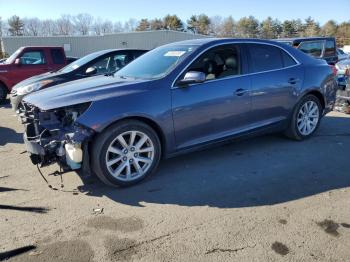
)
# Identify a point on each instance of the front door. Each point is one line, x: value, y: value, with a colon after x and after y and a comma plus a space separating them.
x: 216, y: 108
x: 32, y: 62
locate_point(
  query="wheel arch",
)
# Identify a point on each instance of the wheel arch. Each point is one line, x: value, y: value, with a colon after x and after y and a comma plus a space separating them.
x: 318, y: 94
x: 2, y: 82
x: 148, y: 121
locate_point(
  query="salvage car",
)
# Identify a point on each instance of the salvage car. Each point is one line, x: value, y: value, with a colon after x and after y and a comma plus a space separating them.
x: 27, y: 62
x: 174, y: 99
x: 101, y: 62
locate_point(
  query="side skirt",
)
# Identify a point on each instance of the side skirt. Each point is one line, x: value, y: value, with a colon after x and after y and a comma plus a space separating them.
x: 273, y: 128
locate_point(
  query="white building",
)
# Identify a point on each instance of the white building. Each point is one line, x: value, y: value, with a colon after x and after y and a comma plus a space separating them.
x: 79, y: 46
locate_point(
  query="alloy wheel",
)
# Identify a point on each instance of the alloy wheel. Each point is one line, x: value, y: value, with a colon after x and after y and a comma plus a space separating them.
x: 308, y: 118
x: 130, y: 155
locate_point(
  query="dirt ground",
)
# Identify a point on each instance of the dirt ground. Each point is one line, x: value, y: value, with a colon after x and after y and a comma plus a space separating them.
x: 263, y: 199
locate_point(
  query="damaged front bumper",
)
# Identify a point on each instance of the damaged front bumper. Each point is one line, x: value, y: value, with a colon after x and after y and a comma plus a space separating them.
x: 54, y: 136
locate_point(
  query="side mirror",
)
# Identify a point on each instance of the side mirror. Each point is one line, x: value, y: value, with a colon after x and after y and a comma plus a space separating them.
x: 192, y: 77
x: 18, y: 61
x: 91, y: 71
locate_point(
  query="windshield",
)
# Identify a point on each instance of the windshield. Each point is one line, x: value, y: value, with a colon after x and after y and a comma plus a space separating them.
x: 80, y: 62
x: 156, y: 63
x: 12, y: 58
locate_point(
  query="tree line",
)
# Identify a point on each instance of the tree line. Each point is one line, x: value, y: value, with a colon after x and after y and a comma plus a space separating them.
x: 245, y: 27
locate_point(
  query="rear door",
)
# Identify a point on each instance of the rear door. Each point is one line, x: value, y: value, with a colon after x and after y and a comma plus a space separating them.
x: 275, y: 77
x: 32, y: 62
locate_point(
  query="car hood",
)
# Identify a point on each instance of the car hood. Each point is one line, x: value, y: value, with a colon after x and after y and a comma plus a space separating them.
x: 37, y: 78
x: 82, y: 91
x: 4, y: 66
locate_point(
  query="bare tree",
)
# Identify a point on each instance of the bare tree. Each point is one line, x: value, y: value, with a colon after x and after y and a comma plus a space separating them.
x: 82, y: 23
x: 49, y: 27
x: 97, y: 26
x: 32, y: 26
x: 1, y: 27
x: 130, y: 25
x: 107, y: 27
x: 65, y: 25
x: 118, y: 27
x: 215, y: 26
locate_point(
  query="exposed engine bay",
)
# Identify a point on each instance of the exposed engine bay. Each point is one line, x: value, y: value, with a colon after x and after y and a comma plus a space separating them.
x: 54, y: 136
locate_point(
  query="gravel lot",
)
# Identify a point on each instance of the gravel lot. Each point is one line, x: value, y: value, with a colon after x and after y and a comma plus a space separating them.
x: 263, y: 199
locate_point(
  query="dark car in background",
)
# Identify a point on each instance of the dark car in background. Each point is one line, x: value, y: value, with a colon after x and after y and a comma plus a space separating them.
x: 174, y: 99
x: 318, y: 47
x: 101, y: 62
x: 71, y: 59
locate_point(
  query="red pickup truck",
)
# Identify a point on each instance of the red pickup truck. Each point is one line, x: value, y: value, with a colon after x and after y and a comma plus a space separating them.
x: 27, y: 62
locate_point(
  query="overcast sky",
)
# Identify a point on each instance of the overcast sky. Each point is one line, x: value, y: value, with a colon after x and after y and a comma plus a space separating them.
x: 115, y: 10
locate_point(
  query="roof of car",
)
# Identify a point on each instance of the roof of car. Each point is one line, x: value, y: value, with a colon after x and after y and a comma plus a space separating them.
x: 303, y: 39
x: 208, y: 42
x: 102, y: 52
x: 203, y: 41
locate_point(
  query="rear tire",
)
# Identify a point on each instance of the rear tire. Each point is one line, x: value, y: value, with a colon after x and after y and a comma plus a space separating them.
x: 305, y: 119
x: 3, y: 92
x: 126, y: 153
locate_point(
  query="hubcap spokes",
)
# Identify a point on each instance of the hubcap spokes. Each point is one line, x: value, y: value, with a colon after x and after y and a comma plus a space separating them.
x: 130, y: 155
x: 308, y: 117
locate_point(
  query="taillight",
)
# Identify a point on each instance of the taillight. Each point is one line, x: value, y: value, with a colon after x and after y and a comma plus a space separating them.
x: 347, y: 72
x: 334, y: 69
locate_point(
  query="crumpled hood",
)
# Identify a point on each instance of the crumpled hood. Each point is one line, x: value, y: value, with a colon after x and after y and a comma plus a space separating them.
x: 33, y: 79
x: 83, y: 90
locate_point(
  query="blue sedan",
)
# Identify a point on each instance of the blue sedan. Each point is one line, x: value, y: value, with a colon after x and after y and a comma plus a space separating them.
x: 174, y: 99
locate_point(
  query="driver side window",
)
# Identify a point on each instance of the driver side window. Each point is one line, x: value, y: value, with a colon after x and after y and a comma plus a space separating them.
x: 33, y: 58
x: 218, y: 62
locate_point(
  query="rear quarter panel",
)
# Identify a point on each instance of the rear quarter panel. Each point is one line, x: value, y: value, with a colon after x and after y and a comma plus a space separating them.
x: 320, y: 78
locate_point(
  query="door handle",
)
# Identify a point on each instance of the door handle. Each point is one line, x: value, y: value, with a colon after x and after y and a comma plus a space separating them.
x: 240, y: 92
x: 293, y: 80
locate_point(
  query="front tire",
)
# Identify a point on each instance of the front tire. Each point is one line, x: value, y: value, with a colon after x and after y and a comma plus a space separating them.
x: 3, y: 92
x: 305, y: 119
x: 126, y: 153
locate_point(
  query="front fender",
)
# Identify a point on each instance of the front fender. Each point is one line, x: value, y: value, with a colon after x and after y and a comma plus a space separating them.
x: 153, y: 104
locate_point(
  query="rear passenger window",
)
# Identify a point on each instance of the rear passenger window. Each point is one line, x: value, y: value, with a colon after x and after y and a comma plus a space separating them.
x: 264, y: 57
x: 330, y: 48
x: 57, y: 56
x: 287, y: 59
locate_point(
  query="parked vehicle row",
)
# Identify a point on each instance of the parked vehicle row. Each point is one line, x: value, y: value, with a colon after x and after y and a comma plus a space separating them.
x: 318, y: 47
x: 324, y: 48
x: 174, y: 99
x: 343, y: 73
x: 101, y: 62
x: 27, y: 62
x: 342, y: 55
